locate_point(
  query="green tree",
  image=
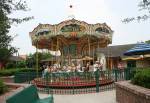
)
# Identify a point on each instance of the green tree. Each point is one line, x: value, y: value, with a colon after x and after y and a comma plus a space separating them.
x: 8, y: 7
x: 148, y: 41
x: 31, y: 58
x: 144, y: 5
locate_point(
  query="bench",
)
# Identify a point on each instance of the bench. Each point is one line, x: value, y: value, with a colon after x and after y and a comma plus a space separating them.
x: 28, y: 95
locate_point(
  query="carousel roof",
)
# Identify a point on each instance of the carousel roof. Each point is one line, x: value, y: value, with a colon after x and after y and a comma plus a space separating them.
x: 70, y: 32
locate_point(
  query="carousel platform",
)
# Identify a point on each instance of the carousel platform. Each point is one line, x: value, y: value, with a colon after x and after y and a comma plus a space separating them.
x: 70, y: 83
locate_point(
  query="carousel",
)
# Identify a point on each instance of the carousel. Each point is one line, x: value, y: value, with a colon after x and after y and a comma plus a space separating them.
x: 73, y: 43
x: 72, y: 40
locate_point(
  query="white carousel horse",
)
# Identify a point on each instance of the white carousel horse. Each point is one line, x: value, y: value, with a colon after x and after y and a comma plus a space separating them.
x: 102, y: 60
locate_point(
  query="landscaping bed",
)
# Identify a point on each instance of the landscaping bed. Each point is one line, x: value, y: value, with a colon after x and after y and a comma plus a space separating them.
x: 135, y: 91
x: 126, y: 92
x: 142, y: 78
x: 11, y: 89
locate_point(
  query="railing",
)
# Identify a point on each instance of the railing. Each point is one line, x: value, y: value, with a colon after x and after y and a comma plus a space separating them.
x: 26, y: 77
x: 75, y: 82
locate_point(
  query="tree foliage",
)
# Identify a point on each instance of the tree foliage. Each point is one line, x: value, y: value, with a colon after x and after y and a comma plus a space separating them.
x: 31, y: 58
x: 148, y: 41
x: 144, y: 5
x: 8, y: 7
x: 11, y: 6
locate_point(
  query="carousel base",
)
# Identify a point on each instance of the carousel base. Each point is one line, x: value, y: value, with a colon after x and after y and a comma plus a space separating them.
x: 70, y: 84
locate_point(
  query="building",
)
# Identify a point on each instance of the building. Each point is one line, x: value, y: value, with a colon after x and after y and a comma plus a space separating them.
x: 114, y: 56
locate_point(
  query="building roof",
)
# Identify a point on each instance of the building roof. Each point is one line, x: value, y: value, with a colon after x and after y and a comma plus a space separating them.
x: 23, y: 56
x: 139, y: 49
x: 115, y: 51
x: 15, y: 58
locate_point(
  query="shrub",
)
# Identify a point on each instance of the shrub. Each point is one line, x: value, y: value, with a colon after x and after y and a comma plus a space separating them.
x: 3, y: 87
x: 10, y: 72
x: 142, y: 78
x: 10, y: 65
x: 21, y: 64
x: 30, y: 70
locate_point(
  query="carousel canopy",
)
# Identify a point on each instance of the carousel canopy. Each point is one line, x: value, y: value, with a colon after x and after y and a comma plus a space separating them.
x: 47, y: 36
x: 139, y: 49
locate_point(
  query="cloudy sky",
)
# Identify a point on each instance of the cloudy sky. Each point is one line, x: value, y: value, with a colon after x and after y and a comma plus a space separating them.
x: 90, y: 11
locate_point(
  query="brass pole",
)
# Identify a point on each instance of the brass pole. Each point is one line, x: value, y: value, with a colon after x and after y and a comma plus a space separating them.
x: 37, y: 58
x: 89, y: 45
x: 62, y: 58
x: 52, y: 50
x: 93, y: 55
x: 108, y: 58
x: 57, y: 46
x: 98, y: 49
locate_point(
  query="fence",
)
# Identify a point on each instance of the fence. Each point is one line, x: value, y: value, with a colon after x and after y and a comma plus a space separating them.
x: 75, y: 82
x: 22, y: 77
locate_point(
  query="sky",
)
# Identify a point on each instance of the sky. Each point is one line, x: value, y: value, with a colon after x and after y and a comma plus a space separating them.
x: 90, y: 11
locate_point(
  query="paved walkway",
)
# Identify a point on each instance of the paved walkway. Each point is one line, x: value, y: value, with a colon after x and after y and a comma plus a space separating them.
x: 102, y: 97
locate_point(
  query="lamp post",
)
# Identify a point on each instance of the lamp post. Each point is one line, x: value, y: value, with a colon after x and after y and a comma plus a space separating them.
x: 17, y: 55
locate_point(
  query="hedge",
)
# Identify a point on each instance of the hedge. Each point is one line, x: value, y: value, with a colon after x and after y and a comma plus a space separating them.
x: 142, y: 78
x: 10, y: 72
x: 3, y: 87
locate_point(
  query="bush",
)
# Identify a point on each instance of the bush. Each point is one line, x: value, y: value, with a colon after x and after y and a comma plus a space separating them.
x: 142, y: 78
x: 19, y: 64
x: 30, y: 70
x: 10, y: 65
x: 3, y: 87
x: 10, y: 72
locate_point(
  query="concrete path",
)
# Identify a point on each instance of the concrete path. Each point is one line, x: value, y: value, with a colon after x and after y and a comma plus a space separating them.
x: 102, y: 97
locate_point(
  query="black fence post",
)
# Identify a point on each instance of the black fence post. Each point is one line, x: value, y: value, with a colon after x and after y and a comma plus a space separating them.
x: 132, y: 72
x: 116, y: 74
x: 97, y: 75
x: 125, y: 74
x: 47, y: 86
x: 128, y: 73
x: 73, y: 82
x: 28, y: 77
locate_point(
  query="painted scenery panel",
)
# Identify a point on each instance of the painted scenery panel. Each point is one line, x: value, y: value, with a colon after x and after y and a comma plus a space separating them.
x: 73, y: 28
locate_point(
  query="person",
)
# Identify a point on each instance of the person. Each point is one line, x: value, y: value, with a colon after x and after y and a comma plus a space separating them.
x: 78, y: 67
x: 46, y: 70
x: 73, y: 67
x: 95, y: 66
x: 64, y: 68
x: 87, y: 67
x: 57, y: 65
x: 120, y: 66
x: 121, y: 69
x: 68, y: 68
x: 100, y: 65
x: 55, y: 68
